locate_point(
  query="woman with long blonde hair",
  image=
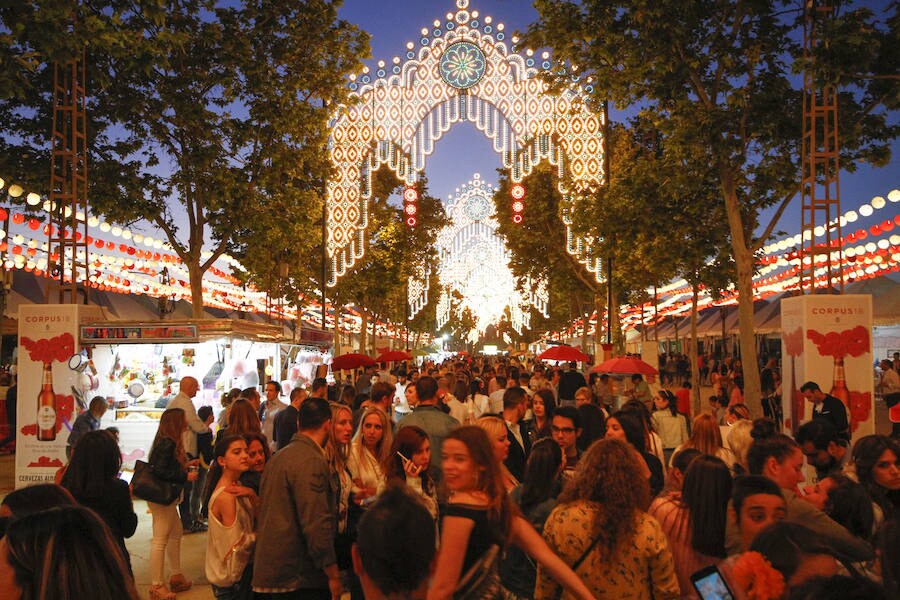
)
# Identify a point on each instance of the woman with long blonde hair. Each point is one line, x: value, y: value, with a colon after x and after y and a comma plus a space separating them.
x: 480, y: 519
x: 497, y: 433
x: 369, y: 450
x: 169, y: 463
x: 707, y: 438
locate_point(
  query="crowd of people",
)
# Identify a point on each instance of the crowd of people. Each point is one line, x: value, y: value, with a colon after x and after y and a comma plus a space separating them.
x: 472, y: 479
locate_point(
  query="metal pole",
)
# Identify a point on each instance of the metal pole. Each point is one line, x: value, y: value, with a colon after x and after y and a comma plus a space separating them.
x: 324, y: 257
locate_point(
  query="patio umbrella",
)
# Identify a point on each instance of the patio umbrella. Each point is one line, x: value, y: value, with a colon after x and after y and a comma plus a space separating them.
x: 563, y: 353
x: 626, y: 365
x: 393, y: 355
x: 350, y: 361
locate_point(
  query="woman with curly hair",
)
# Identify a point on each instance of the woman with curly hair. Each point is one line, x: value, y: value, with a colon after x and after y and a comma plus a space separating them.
x: 480, y: 520
x: 876, y: 459
x: 258, y: 454
x: 600, y: 529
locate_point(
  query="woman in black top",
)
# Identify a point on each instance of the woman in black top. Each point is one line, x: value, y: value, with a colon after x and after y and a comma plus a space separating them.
x: 169, y: 463
x: 479, y: 516
x: 93, y: 479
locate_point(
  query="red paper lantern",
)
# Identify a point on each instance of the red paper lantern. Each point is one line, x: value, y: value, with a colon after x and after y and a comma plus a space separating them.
x: 888, y: 224
x: 99, y: 244
x: 875, y: 229
x: 3, y: 214
x: 110, y: 245
x: 18, y: 218
x: 34, y: 224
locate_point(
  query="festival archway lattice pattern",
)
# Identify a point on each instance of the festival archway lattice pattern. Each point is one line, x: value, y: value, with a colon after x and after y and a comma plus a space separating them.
x: 459, y: 70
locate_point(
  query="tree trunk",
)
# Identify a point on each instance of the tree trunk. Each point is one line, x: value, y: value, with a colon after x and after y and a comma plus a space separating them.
x: 195, y: 276
x: 363, y: 331
x: 743, y: 260
x: 692, y: 353
x: 337, y: 331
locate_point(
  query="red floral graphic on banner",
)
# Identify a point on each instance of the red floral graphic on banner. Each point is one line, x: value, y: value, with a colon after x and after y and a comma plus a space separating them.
x: 65, y: 409
x: 58, y: 348
x: 860, y: 406
x: 793, y: 342
x: 850, y: 342
x: 46, y: 462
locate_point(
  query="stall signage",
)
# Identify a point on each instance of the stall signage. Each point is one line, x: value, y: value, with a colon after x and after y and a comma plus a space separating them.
x: 138, y: 334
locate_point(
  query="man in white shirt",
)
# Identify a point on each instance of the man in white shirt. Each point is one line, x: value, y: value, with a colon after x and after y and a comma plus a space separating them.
x: 495, y: 406
x: 271, y: 407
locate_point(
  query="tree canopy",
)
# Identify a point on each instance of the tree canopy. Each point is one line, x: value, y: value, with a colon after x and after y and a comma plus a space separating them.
x: 207, y: 121
x: 719, y: 80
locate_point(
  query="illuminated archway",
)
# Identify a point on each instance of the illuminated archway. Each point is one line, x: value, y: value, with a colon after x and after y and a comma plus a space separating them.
x: 473, y: 261
x: 460, y: 70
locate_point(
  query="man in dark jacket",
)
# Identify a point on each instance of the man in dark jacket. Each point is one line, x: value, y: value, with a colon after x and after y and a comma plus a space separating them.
x: 295, y: 557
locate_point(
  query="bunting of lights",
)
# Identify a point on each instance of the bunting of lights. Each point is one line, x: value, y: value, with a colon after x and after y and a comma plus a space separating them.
x: 128, y: 262
x: 417, y: 290
x: 474, y: 261
x: 459, y: 70
x: 443, y: 309
x: 868, y: 252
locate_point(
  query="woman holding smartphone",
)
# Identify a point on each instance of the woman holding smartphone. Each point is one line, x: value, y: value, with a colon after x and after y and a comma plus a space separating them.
x: 409, y: 462
x: 480, y: 517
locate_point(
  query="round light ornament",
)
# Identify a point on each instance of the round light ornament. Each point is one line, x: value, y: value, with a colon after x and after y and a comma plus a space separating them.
x: 463, y: 65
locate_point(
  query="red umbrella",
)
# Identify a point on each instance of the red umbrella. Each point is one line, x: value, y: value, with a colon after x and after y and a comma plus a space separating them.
x: 563, y: 353
x: 348, y: 362
x: 393, y: 355
x: 627, y: 365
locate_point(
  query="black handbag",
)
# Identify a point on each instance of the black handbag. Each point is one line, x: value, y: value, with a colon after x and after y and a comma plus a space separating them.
x: 482, y: 580
x: 147, y: 486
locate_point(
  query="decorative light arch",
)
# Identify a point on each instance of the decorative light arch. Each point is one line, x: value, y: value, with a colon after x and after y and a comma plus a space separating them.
x: 462, y: 71
x: 474, y: 262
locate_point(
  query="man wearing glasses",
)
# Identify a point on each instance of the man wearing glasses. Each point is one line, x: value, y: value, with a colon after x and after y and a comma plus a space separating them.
x: 565, y: 427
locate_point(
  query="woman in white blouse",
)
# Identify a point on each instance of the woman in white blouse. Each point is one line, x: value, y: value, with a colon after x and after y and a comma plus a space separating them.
x: 369, y: 449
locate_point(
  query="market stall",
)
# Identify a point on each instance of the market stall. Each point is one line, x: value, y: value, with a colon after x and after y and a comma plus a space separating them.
x: 137, y: 367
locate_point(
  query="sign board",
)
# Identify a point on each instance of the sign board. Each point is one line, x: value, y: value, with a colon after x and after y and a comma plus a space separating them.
x: 47, y: 387
x: 138, y: 334
x: 827, y: 339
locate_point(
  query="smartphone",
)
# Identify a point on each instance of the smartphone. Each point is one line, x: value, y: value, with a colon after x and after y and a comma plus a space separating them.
x: 126, y: 476
x: 405, y: 460
x: 710, y: 584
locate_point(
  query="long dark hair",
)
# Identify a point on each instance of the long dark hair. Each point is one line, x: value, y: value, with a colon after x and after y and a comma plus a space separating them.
x: 706, y: 492
x: 96, y: 460
x: 407, y: 442
x: 215, y: 469
x: 631, y: 424
x: 671, y: 399
x: 866, y: 452
x: 67, y: 552
x: 171, y: 426
x: 540, y: 481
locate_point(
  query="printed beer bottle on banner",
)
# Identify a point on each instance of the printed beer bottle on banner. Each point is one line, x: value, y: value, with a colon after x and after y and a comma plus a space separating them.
x: 46, y: 413
x: 839, y: 387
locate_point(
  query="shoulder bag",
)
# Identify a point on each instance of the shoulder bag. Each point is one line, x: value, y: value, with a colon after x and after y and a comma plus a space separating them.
x: 147, y: 486
x: 578, y: 562
x: 482, y: 580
